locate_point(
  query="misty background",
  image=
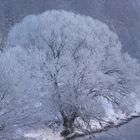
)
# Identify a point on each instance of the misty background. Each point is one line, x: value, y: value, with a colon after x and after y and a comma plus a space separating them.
x: 122, y: 16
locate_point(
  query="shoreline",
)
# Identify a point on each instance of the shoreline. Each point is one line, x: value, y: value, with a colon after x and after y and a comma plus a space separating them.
x: 104, y: 129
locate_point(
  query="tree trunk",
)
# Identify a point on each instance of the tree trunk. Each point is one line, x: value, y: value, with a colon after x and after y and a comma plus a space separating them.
x: 68, y: 125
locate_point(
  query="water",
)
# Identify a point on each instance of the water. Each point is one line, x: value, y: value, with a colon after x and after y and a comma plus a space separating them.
x: 129, y: 131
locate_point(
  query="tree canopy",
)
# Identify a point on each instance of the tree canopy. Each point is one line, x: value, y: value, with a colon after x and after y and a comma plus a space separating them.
x: 76, y: 65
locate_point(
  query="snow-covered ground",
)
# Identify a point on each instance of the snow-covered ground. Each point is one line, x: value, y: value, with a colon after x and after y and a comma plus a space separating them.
x: 40, y: 131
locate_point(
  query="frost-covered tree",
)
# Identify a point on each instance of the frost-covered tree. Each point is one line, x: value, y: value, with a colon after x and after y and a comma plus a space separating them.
x: 9, y: 81
x: 2, y: 42
x: 18, y: 104
x: 78, y: 63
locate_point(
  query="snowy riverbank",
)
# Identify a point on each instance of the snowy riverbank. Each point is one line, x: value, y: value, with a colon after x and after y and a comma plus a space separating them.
x: 41, y: 132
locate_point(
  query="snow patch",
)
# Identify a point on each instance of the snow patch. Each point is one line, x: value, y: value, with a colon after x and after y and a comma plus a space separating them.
x: 43, y: 134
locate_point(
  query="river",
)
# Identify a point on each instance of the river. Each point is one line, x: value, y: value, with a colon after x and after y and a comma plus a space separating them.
x: 129, y: 131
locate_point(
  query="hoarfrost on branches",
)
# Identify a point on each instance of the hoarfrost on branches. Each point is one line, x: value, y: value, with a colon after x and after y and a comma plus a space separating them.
x: 75, y: 65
